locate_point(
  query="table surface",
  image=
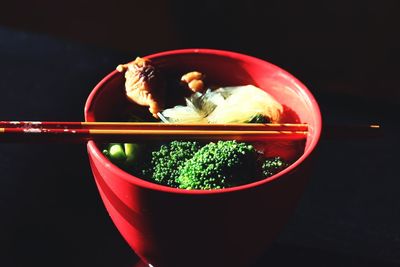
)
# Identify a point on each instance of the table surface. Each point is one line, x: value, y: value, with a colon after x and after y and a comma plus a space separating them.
x: 51, y: 213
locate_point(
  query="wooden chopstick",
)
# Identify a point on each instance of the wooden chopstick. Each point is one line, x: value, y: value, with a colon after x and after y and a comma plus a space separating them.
x: 75, y: 132
x: 353, y: 131
x: 155, y: 126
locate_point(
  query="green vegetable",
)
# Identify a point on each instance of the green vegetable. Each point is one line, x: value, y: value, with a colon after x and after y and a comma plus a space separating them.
x: 116, y: 153
x: 273, y: 165
x: 189, y: 165
x: 167, y: 162
x: 219, y: 165
x: 131, y: 151
x: 259, y: 118
x: 123, y: 154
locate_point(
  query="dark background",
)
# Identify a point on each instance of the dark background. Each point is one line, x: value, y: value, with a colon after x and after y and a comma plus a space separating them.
x: 347, y: 46
x: 52, y: 53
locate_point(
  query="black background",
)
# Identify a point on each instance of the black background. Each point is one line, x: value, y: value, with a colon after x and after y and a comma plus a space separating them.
x: 52, y: 55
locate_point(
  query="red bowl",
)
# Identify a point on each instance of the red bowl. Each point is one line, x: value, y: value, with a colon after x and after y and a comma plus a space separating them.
x: 227, y: 227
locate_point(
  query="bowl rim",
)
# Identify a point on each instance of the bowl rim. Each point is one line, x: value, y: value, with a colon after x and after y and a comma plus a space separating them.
x: 94, y: 150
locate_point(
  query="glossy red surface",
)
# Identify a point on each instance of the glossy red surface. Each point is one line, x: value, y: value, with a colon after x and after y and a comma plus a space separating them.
x: 228, y: 227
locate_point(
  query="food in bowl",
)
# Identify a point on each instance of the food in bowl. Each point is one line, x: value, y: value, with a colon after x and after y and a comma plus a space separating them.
x: 194, y: 164
x: 233, y: 226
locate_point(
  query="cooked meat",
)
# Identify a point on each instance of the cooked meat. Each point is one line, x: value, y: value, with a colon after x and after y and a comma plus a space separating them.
x: 144, y: 85
x: 194, y: 81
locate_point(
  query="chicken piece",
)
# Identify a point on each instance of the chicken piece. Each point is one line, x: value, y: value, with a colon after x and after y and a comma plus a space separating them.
x: 194, y: 81
x: 143, y: 84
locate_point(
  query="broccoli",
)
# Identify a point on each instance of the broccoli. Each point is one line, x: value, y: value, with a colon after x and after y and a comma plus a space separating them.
x: 273, y: 165
x: 166, y: 162
x: 219, y: 165
x: 191, y: 165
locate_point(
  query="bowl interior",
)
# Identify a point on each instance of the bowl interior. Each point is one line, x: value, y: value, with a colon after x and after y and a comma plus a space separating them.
x: 222, y: 68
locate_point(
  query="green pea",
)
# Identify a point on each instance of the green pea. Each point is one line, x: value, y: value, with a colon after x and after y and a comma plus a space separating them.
x: 116, y: 153
x: 131, y: 151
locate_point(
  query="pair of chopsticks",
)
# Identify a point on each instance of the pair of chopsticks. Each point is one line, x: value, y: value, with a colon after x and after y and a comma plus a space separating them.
x: 78, y: 132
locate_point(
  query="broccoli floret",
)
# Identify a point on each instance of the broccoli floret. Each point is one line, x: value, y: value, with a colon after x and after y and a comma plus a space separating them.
x: 219, y: 165
x: 167, y: 162
x: 273, y: 165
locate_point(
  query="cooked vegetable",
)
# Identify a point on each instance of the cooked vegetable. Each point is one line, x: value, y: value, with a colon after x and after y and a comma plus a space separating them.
x: 259, y: 118
x: 115, y: 153
x: 273, y: 165
x: 167, y: 161
x: 219, y: 165
x: 123, y: 154
x: 189, y: 165
x: 236, y: 104
x: 132, y: 152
